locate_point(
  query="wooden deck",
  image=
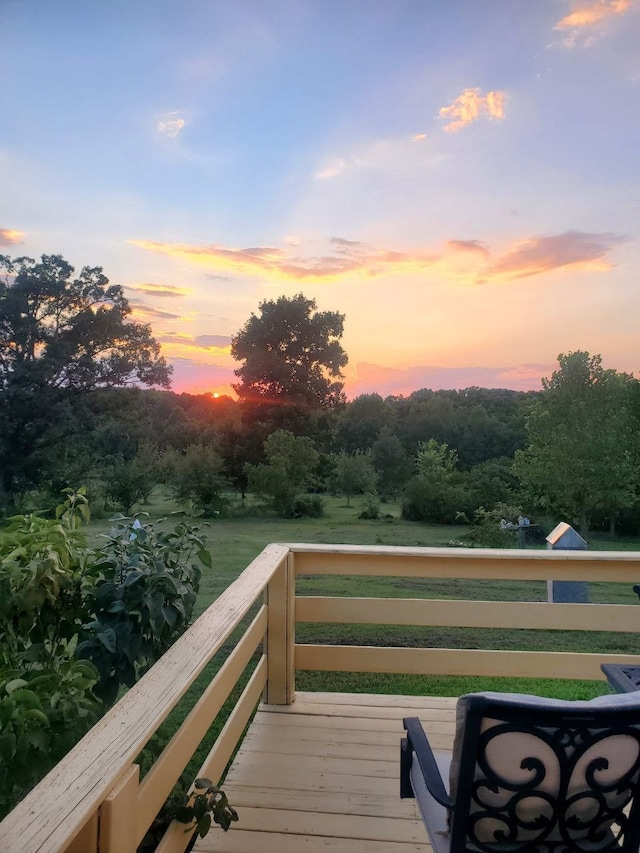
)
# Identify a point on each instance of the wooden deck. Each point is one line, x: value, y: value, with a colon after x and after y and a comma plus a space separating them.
x: 322, y: 776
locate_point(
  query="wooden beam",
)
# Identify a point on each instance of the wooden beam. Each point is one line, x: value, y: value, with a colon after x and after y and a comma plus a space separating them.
x: 468, y: 662
x: 469, y: 614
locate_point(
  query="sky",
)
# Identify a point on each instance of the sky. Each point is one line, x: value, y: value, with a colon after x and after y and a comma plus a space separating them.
x: 460, y: 179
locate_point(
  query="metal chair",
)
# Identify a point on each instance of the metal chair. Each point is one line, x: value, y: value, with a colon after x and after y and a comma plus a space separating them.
x: 530, y: 775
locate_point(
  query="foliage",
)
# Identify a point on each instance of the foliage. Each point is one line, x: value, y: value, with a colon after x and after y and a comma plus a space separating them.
x: 493, y: 481
x: 436, y: 494
x: 353, y: 474
x: 207, y: 803
x: 361, y: 421
x: 370, y: 511
x: 60, y: 335
x: 582, y: 451
x: 486, y: 530
x: 142, y: 600
x: 126, y: 602
x: 46, y: 694
x: 390, y: 462
x: 291, y: 462
x: 308, y: 506
x: 291, y: 354
x: 127, y: 483
x: 197, y: 476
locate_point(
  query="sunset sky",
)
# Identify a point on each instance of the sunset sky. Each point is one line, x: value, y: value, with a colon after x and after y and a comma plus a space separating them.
x: 461, y: 179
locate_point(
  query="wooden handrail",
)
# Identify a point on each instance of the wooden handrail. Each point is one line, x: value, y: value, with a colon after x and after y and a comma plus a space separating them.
x: 93, y: 798
x: 49, y: 817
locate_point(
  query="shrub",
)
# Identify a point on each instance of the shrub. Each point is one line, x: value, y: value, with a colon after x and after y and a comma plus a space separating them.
x: 311, y: 506
x: 370, y: 511
x: 126, y: 601
x: 195, y: 476
x: 142, y: 601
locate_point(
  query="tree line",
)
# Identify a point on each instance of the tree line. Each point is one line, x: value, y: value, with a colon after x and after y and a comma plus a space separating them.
x: 68, y: 416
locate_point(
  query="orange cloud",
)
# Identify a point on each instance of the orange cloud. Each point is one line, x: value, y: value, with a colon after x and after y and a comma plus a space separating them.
x: 473, y: 246
x: 464, y: 261
x: 348, y: 259
x: 578, y: 250
x: 166, y: 290
x: 470, y: 106
x: 11, y: 237
x: 588, y: 14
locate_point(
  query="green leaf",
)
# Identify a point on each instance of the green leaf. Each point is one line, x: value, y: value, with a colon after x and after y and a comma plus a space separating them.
x: 204, y: 825
x: 205, y: 557
x: 108, y: 639
x: 16, y: 684
x: 184, y: 814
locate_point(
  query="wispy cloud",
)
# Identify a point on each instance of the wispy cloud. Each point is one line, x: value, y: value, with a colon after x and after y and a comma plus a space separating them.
x: 213, y: 341
x: 281, y: 264
x: 385, y: 154
x: 474, y: 246
x: 588, y: 14
x: 573, y: 249
x: 470, y: 105
x: 142, y: 311
x: 587, y: 22
x: 170, y: 124
x: 163, y: 290
x: 463, y: 261
x: 11, y: 237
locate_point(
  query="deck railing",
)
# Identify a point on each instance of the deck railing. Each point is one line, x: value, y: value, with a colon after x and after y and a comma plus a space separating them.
x: 94, y: 800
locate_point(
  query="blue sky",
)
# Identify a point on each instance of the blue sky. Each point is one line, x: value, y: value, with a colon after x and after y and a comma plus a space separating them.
x: 461, y: 179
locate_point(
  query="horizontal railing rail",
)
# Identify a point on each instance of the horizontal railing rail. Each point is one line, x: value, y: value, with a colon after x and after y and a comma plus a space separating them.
x: 466, y: 564
x: 93, y: 799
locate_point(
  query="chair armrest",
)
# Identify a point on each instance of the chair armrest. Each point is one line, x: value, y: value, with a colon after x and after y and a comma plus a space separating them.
x: 416, y: 743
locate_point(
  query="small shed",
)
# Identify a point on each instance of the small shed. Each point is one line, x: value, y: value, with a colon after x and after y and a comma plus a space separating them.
x: 564, y: 538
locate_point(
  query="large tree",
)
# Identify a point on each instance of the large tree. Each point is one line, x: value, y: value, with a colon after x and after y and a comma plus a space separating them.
x: 60, y: 335
x: 291, y: 354
x: 582, y: 452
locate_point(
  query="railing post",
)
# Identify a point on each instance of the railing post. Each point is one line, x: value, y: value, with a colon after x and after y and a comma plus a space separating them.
x: 86, y: 841
x: 280, y: 640
x: 118, y: 815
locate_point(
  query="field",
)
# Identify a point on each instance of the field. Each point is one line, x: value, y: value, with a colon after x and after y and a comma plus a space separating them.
x: 236, y: 540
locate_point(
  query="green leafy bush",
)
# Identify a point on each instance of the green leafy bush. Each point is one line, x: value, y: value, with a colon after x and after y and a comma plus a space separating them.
x: 309, y: 506
x: 142, y: 600
x: 76, y: 623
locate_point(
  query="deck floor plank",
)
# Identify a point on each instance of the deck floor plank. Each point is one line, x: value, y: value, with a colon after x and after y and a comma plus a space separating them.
x: 322, y: 776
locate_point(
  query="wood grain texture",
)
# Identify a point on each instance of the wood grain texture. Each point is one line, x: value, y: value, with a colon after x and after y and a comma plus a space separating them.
x: 470, y: 662
x: 468, y: 614
x: 494, y: 563
x: 327, y: 791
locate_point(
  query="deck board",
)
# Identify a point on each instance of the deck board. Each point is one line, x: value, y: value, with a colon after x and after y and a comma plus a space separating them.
x: 322, y: 776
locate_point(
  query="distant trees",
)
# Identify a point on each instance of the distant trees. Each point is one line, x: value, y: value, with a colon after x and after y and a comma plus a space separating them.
x: 353, y: 474
x: 435, y: 493
x: 288, y: 471
x: 197, y: 476
x: 583, y: 450
x: 60, y: 335
x: 390, y: 462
